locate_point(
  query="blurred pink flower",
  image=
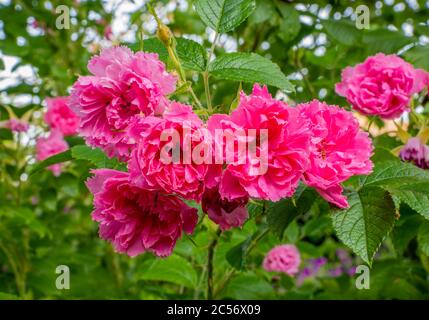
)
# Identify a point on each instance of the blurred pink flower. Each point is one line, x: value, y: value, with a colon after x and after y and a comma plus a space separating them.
x: 47, y: 147
x: 286, y: 146
x: 382, y: 85
x: 283, y: 258
x: 60, y: 116
x: 150, y: 169
x: 16, y: 125
x: 124, y: 84
x: 137, y: 220
x: 339, y: 150
x: 416, y: 152
x: 108, y: 33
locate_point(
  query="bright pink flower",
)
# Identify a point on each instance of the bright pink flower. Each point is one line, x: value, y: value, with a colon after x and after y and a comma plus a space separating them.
x: 226, y: 213
x: 60, y: 116
x: 122, y: 86
x: 163, y: 157
x: 16, y: 125
x: 339, y: 150
x: 275, y: 175
x: 283, y: 258
x: 382, y: 85
x: 137, y: 220
x: 47, y: 147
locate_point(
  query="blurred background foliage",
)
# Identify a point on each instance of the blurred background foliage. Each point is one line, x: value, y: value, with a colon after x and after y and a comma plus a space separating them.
x: 45, y: 220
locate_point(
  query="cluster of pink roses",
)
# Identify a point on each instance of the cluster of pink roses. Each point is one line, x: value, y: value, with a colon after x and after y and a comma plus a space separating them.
x: 124, y: 109
x: 62, y: 122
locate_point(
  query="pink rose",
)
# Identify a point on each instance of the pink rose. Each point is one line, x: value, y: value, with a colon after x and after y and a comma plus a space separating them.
x: 339, y: 150
x: 16, y: 125
x: 47, y: 147
x: 137, y: 220
x: 277, y: 152
x: 163, y: 157
x: 122, y: 86
x: 60, y: 116
x: 283, y: 258
x: 226, y: 213
x: 382, y: 85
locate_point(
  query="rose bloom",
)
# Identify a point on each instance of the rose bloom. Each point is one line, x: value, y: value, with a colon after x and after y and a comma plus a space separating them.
x: 286, y: 146
x: 226, y: 213
x: 60, y: 116
x: 382, y: 85
x: 137, y: 220
x: 416, y: 152
x: 16, y: 125
x: 339, y: 150
x: 123, y: 85
x: 168, y: 164
x: 283, y: 258
x: 52, y: 145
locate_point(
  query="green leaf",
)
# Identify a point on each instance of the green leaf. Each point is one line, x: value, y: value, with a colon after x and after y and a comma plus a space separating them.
x: 249, y: 67
x: 367, y: 222
x: 95, y: 156
x: 394, y: 173
x: 342, y: 31
x: 385, y: 41
x: 155, y: 45
x: 224, y: 15
x: 1, y: 64
x: 415, y: 197
x: 237, y: 255
x: 248, y: 286
x: 280, y: 214
x: 290, y: 25
x: 422, y: 29
x: 423, y: 238
x: 57, y: 158
x: 382, y: 154
x: 418, y: 56
x: 22, y: 216
x: 264, y: 11
x: 174, y: 269
x: 405, y: 230
x: 192, y: 55
x: 8, y: 296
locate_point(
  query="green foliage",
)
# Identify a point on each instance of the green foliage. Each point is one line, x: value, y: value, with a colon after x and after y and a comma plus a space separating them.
x: 367, y: 222
x: 280, y: 214
x: 192, y: 54
x: 343, y: 31
x: 174, y: 269
x: 224, y: 15
x: 249, y: 68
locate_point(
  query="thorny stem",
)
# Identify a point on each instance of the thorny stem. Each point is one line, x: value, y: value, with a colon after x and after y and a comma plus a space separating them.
x: 210, y: 255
